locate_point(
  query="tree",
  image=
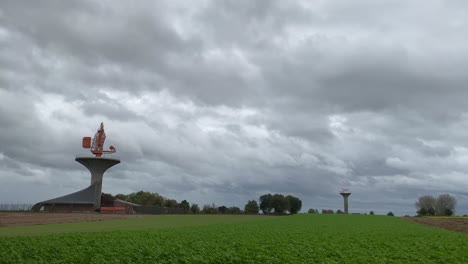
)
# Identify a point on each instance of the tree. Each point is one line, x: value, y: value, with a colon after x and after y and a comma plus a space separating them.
x: 422, y: 211
x: 122, y: 197
x: 171, y: 203
x: 339, y: 212
x: 371, y: 212
x: 445, y: 204
x: 279, y: 203
x: 184, y: 204
x: 390, y: 214
x: 146, y: 199
x: 426, y: 202
x: 195, y: 209
x: 210, y: 209
x: 431, y: 211
x: 251, y: 207
x: 266, y: 203
x: 313, y: 211
x: 222, y: 209
x: 448, y: 212
x: 442, y: 205
x: 295, y: 204
x: 234, y: 210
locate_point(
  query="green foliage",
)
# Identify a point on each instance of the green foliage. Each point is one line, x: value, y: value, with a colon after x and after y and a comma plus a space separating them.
x: 448, y: 212
x: 422, y: 212
x: 426, y: 212
x: 146, y: 199
x: 371, y: 212
x: 121, y: 196
x: 279, y: 203
x: 313, y: 211
x: 234, y: 210
x: 222, y: 209
x: 266, y: 203
x: 152, y: 202
x: 251, y: 207
x: 185, y: 205
x: 171, y: 203
x: 390, y: 214
x: 195, y: 209
x: 295, y: 204
x: 303, y: 238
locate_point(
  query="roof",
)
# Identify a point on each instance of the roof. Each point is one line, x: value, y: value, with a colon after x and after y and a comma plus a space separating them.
x: 85, y: 196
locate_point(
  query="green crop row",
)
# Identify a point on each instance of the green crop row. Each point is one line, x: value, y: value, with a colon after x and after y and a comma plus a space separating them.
x: 292, y: 239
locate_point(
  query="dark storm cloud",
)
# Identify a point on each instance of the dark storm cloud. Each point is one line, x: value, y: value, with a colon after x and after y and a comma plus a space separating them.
x: 96, y: 32
x: 226, y: 100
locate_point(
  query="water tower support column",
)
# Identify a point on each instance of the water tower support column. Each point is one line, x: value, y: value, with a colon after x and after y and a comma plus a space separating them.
x: 345, y: 193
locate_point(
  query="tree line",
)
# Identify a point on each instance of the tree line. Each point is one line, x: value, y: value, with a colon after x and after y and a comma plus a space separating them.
x: 279, y: 204
x: 443, y: 205
x: 269, y: 204
x: 330, y: 211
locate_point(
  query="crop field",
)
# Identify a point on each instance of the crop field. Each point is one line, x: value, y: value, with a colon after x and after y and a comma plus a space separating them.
x: 302, y: 238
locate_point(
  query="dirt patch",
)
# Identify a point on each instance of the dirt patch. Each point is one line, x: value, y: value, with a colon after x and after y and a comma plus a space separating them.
x: 25, y: 219
x: 452, y: 224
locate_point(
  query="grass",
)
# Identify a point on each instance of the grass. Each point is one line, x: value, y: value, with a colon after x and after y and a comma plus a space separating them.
x: 209, y: 239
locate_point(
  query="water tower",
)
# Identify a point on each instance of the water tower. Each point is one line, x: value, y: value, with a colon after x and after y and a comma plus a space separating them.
x: 345, y: 193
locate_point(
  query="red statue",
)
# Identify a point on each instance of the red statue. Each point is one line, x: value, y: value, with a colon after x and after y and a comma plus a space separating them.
x: 97, y: 147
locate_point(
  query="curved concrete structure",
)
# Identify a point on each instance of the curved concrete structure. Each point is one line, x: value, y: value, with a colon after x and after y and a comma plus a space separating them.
x: 88, y: 199
x: 97, y: 167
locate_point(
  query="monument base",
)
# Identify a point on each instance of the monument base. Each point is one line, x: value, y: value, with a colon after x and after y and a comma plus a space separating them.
x: 88, y: 199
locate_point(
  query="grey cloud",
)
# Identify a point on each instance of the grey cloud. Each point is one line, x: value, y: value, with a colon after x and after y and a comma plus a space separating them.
x: 226, y: 100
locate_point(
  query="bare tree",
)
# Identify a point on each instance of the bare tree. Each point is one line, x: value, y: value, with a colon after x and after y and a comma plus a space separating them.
x: 425, y: 205
x: 445, y: 205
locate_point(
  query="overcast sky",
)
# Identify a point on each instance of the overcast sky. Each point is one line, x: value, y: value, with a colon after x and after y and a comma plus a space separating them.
x: 223, y: 101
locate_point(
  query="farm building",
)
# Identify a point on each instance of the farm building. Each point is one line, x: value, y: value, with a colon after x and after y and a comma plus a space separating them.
x: 119, y: 206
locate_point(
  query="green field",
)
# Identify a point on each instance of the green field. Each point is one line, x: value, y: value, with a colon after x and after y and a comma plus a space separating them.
x: 235, y: 239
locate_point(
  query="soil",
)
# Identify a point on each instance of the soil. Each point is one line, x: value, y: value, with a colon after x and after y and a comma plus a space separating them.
x: 450, y: 223
x: 25, y: 219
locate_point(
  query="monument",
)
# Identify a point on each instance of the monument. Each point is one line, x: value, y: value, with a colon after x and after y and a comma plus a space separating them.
x: 88, y: 199
x: 345, y: 193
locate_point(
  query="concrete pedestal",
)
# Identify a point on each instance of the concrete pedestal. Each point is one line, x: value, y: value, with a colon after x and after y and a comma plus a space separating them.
x: 88, y: 199
x: 97, y: 167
